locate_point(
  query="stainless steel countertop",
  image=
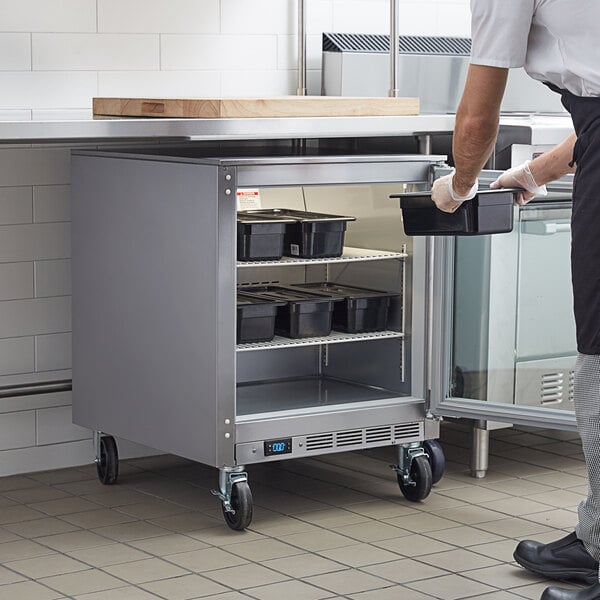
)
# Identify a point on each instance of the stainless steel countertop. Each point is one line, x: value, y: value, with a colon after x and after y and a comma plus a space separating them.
x: 220, y: 129
x: 545, y: 129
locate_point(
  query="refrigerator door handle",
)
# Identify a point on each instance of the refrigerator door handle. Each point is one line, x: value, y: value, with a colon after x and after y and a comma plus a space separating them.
x: 545, y: 228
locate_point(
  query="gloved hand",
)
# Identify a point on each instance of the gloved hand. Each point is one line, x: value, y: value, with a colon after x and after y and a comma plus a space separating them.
x: 520, y: 177
x: 444, y: 196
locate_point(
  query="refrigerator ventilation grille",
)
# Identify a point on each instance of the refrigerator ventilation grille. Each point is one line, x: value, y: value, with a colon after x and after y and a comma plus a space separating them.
x: 319, y: 442
x: 404, y: 432
x: 556, y: 387
x: 370, y: 436
x: 408, y: 44
x: 349, y: 438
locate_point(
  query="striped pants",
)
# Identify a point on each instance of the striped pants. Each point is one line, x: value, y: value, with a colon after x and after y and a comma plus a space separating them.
x: 587, y: 410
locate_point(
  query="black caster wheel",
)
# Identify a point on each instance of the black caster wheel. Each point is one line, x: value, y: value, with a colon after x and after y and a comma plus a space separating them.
x: 420, y: 483
x: 241, y: 502
x: 437, y: 460
x: 108, y: 465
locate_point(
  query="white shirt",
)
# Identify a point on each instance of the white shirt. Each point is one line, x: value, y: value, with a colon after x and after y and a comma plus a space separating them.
x: 555, y: 40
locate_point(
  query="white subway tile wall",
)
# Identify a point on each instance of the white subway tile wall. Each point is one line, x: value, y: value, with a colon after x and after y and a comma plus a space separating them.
x: 15, y: 51
x: 60, y: 114
x: 148, y: 16
x: 15, y: 115
x: 17, y: 430
x: 154, y: 83
x: 36, y: 316
x: 51, y: 203
x: 17, y: 355
x: 38, y: 89
x: 53, y: 352
x: 16, y: 205
x: 363, y: 16
x: 16, y: 281
x: 55, y: 55
x: 41, y: 241
x: 54, y: 426
x: 58, y: 54
x: 34, y: 166
x: 94, y: 52
x: 224, y: 52
x: 48, y: 15
x: 52, y: 278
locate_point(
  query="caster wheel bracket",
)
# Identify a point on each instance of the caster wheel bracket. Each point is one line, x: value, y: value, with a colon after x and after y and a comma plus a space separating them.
x: 406, y: 455
x: 97, y: 450
x: 228, y: 477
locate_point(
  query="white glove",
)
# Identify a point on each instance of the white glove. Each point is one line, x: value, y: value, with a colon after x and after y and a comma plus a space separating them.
x: 444, y: 196
x: 521, y: 177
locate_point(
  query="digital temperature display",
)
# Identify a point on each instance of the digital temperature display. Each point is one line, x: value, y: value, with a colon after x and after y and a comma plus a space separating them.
x: 274, y: 447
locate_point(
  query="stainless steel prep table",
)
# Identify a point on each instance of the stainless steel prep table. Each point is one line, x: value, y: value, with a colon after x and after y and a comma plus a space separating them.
x: 113, y: 130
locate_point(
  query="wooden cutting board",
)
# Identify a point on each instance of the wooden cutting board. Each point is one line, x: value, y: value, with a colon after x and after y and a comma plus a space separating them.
x: 287, y: 106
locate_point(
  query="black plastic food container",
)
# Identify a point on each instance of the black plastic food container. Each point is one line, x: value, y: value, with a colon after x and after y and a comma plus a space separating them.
x: 490, y: 211
x: 260, y: 237
x: 361, y: 309
x: 304, y: 314
x: 311, y: 235
x: 255, y: 319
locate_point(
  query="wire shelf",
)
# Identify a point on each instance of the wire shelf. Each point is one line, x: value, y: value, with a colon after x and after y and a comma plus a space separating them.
x: 349, y: 255
x: 335, y: 337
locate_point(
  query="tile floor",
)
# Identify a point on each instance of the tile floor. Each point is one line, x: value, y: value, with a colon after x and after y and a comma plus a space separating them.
x: 329, y: 527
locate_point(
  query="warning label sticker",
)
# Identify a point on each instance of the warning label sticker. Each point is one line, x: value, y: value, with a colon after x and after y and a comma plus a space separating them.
x: 248, y: 199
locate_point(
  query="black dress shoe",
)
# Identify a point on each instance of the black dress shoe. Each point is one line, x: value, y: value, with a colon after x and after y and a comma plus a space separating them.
x: 554, y: 593
x: 566, y: 558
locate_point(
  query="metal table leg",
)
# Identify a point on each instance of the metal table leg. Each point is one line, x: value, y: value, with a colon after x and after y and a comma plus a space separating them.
x: 480, y: 446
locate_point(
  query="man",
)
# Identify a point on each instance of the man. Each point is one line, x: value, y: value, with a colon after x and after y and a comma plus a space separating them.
x: 557, y: 43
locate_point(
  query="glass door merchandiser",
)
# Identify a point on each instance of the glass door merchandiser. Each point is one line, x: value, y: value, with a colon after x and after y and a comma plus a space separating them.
x: 156, y: 283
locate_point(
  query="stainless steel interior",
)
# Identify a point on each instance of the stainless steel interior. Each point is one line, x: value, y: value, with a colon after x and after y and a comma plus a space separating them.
x: 286, y: 378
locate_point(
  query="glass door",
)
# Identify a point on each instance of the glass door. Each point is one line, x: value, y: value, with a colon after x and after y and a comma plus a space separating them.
x: 502, y: 334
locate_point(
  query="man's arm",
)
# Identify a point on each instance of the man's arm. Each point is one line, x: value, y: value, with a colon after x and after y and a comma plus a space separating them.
x: 476, y: 125
x: 475, y: 134
x: 554, y: 163
x: 533, y: 174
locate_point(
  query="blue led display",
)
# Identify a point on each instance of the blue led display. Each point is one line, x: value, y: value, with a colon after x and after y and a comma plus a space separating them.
x: 274, y: 447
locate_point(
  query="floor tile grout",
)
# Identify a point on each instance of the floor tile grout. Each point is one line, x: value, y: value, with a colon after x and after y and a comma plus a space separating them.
x: 315, y: 499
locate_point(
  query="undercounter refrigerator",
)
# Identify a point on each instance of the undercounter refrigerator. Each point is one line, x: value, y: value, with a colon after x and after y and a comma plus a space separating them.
x: 252, y: 303
x: 251, y: 307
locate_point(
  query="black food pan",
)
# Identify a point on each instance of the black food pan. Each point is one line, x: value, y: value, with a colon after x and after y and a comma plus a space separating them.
x: 490, y: 211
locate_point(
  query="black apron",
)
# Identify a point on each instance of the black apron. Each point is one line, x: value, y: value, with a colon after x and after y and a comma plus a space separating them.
x: 585, y: 222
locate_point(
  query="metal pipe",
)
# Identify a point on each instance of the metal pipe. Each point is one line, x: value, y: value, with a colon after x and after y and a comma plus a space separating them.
x: 394, y: 49
x: 425, y: 143
x: 301, y: 91
x: 31, y: 389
